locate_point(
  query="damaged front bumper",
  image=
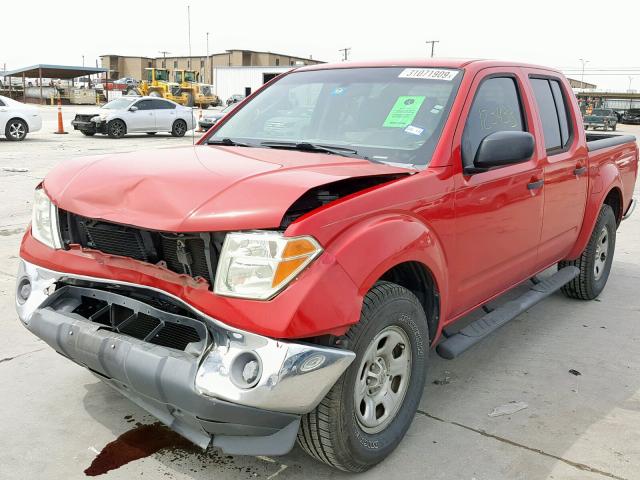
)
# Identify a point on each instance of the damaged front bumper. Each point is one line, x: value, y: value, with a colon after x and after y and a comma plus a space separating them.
x: 209, y: 382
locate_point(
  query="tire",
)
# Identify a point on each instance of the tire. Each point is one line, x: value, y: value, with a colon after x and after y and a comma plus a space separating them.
x: 88, y: 133
x: 179, y: 128
x: 16, y: 130
x: 586, y: 127
x: 190, y: 100
x: 615, y: 125
x: 116, y: 128
x: 595, y: 261
x: 151, y: 133
x: 339, y: 431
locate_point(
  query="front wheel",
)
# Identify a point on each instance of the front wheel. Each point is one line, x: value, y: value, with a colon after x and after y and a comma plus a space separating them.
x: 179, y: 128
x: 116, y: 129
x: 365, y: 415
x: 595, y: 261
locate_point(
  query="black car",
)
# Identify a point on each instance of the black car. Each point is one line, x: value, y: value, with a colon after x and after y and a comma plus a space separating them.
x: 631, y: 116
x: 210, y: 118
x: 235, y: 99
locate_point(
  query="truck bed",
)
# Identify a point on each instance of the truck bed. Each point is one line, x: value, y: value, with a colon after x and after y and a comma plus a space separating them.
x: 598, y: 141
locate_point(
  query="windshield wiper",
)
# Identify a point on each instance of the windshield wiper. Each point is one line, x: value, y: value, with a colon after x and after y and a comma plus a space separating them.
x: 314, y: 147
x: 228, y: 142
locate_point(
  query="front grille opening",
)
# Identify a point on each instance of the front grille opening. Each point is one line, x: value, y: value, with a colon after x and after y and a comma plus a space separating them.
x: 133, y: 318
x: 89, y: 306
x: 175, y: 336
x: 193, y: 254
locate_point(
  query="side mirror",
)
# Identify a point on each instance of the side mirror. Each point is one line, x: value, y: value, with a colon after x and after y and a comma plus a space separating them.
x: 133, y: 108
x: 500, y: 149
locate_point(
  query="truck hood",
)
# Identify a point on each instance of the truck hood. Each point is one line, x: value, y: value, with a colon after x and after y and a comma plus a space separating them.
x: 199, y: 188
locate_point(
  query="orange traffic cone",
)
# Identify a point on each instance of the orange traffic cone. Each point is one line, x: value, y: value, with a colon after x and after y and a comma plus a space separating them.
x: 200, y: 127
x: 60, y: 124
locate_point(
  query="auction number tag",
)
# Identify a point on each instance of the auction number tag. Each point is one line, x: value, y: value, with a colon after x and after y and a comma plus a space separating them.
x: 429, y: 73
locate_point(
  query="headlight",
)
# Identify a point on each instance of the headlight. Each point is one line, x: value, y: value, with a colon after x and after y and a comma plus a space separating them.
x: 44, y: 221
x: 259, y: 264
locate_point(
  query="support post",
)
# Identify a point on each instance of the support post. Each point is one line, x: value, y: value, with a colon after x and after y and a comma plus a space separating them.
x: 41, y: 95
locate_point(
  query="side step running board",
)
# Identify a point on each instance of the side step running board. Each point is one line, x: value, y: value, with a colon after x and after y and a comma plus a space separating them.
x: 474, y: 332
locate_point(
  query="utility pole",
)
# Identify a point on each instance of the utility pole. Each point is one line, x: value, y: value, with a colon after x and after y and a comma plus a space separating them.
x: 433, y: 44
x: 189, y: 30
x: 630, y: 97
x: 83, y: 60
x: 584, y: 62
x: 345, y: 53
x: 208, y: 62
x: 164, y: 58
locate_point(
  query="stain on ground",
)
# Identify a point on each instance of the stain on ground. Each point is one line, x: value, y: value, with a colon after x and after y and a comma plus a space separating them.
x: 140, y: 442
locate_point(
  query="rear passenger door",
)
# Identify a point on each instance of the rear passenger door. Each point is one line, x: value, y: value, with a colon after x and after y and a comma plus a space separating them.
x: 565, y: 168
x: 498, y: 212
x: 165, y: 115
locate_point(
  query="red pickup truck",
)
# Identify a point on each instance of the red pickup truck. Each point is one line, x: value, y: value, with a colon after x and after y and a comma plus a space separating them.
x: 288, y: 276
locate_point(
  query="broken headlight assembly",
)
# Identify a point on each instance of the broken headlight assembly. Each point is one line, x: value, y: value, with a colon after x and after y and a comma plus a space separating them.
x: 44, y: 220
x: 258, y: 265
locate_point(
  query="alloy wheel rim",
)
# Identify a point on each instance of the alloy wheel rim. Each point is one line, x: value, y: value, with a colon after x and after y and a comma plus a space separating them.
x: 180, y: 128
x: 117, y: 129
x: 17, y: 130
x: 602, y: 253
x: 383, y: 379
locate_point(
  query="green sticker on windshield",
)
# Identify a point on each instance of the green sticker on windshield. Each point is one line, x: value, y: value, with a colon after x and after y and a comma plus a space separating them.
x: 403, y: 112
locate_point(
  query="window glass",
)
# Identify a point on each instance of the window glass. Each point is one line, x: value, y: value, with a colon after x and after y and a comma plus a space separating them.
x: 548, y: 113
x: 145, y: 105
x: 558, y: 95
x: 495, y: 108
x: 383, y: 114
x: 2, y: 103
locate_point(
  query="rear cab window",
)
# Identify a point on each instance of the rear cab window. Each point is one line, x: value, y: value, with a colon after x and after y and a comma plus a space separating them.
x: 496, y: 107
x: 552, y: 108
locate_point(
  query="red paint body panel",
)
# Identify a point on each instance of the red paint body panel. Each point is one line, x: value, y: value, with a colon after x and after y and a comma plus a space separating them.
x: 479, y: 235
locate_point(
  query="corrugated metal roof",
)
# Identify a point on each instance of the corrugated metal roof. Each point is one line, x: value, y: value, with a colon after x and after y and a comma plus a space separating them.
x: 53, y: 71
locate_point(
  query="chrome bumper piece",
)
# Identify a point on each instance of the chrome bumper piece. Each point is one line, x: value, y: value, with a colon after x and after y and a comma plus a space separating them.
x: 291, y: 377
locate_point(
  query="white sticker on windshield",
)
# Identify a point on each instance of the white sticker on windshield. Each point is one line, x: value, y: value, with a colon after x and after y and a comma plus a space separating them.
x: 414, y: 130
x: 429, y: 74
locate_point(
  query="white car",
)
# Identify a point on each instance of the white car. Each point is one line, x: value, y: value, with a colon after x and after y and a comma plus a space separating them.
x: 18, y: 119
x: 136, y: 114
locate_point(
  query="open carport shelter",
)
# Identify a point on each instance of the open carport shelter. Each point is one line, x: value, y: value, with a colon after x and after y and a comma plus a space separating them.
x: 40, y: 71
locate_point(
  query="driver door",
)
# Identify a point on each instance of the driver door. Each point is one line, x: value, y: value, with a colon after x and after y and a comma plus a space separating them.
x: 144, y: 119
x: 498, y: 213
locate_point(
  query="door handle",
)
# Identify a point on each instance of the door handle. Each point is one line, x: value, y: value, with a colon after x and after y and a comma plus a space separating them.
x: 535, y: 185
x: 580, y: 171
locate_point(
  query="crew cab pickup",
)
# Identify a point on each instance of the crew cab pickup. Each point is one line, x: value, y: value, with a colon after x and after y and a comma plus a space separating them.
x: 288, y: 276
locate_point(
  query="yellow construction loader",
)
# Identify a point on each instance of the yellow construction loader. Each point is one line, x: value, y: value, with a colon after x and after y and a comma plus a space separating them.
x: 197, y: 93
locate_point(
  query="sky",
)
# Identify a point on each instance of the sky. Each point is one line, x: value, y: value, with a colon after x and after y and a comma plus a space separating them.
x: 552, y: 33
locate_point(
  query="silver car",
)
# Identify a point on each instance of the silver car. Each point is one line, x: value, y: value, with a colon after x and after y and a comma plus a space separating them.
x: 136, y: 114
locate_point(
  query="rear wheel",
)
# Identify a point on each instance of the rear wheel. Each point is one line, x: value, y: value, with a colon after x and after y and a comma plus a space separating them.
x: 16, y: 130
x: 595, y: 261
x: 179, y: 128
x: 365, y: 415
x: 116, y: 129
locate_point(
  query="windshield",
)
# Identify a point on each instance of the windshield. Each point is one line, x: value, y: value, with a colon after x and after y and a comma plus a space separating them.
x: 390, y: 115
x: 189, y: 76
x: 119, y: 103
